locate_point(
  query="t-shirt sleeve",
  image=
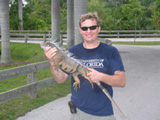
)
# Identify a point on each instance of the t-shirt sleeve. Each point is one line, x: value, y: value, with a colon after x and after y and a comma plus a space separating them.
x: 116, y: 62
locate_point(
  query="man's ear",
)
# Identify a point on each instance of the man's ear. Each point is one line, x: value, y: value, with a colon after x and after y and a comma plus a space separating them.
x: 80, y: 30
x: 99, y: 29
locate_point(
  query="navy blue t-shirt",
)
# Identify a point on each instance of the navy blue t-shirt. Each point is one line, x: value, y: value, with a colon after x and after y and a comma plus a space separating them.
x: 104, y: 58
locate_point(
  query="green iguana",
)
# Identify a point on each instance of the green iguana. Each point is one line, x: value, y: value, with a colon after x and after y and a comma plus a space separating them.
x: 65, y: 61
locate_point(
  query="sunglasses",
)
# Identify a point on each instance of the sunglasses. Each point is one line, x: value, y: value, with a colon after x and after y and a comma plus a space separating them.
x: 91, y: 28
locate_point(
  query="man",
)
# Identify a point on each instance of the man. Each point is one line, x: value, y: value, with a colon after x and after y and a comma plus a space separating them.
x: 105, y: 65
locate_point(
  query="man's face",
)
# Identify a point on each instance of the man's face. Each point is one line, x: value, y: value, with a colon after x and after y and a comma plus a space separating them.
x: 91, y: 34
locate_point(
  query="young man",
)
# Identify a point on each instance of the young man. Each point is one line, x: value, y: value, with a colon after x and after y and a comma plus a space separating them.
x: 105, y: 65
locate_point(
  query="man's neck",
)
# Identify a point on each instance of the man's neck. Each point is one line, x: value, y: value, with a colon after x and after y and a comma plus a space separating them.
x: 91, y: 45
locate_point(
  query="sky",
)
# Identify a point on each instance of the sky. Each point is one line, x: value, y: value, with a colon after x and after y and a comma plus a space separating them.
x: 24, y: 2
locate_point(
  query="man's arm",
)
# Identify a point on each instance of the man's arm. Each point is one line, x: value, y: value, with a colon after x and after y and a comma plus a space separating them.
x: 116, y: 80
x: 57, y: 73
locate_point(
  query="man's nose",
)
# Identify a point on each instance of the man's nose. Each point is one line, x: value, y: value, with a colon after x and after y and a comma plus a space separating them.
x: 88, y: 30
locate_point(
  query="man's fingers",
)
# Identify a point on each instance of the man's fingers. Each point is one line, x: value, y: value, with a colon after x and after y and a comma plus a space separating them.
x: 90, y: 69
x: 50, y: 50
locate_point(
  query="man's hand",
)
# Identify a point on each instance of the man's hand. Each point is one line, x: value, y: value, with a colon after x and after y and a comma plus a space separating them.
x: 94, y: 75
x: 116, y: 80
x: 50, y: 53
x: 59, y: 75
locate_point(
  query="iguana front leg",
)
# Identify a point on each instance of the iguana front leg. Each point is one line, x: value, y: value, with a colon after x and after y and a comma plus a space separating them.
x: 77, y: 81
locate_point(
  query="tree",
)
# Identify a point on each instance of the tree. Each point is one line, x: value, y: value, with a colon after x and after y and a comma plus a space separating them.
x: 55, y: 12
x: 13, y: 13
x: 20, y: 14
x: 4, y: 15
x: 70, y: 23
x: 146, y: 2
x: 80, y: 7
x: 130, y: 12
x: 37, y: 15
x: 101, y: 7
x: 156, y: 14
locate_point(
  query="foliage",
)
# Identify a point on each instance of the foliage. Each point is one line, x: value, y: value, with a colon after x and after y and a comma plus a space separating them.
x: 115, y: 15
x: 14, y: 20
x: 130, y: 14
x: 107, y: 20
x: 156, y: 14
x: 36, y: 15
x: 123, y: 15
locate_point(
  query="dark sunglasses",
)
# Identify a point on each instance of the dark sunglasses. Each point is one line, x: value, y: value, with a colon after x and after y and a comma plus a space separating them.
x: 91, y: 28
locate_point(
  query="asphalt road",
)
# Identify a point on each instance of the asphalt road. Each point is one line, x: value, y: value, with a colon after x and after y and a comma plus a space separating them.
x: 139, y: 100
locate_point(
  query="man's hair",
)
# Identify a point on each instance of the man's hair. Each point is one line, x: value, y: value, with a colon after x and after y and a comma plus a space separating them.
x: 89, y: 16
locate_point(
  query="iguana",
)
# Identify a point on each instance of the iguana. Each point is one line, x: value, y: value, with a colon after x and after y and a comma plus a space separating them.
x: 66, y: 62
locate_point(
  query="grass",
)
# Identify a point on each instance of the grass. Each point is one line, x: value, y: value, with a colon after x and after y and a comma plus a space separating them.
x: 138, y: 43
x: 20, y: 106
x: 28, y: 53
x: 25, y: 53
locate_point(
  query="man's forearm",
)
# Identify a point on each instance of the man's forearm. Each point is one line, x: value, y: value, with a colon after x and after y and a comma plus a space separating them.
x: 57, y: 73
x: 116, y: 80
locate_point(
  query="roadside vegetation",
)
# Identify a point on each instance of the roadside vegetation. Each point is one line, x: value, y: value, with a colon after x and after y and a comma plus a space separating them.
x: 138, y: 43
x: 25, y: 53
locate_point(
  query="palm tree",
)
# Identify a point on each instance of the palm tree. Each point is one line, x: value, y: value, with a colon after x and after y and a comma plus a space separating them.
x: 0, y: 25
x: 20, y: 14
x: 80, y: 7
x: 55, y: 13
x: 70, y: 23
x: 5, y: 33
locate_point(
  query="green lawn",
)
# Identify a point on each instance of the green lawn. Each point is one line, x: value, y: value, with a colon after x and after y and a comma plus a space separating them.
x: 138, y: 43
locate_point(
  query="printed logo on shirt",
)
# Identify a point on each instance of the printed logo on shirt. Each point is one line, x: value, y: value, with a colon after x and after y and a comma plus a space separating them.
x: 94, y: 63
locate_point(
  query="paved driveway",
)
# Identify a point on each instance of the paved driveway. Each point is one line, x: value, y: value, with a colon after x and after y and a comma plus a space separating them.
x: 139, y: 100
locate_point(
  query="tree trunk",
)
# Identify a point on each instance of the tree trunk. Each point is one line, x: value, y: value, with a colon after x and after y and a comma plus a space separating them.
x: 80, y: 7
x: 20, y: 14
x: 55, y: 13
x: 5, y: 33
x: 0, y: 23
x: 70, y: 23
